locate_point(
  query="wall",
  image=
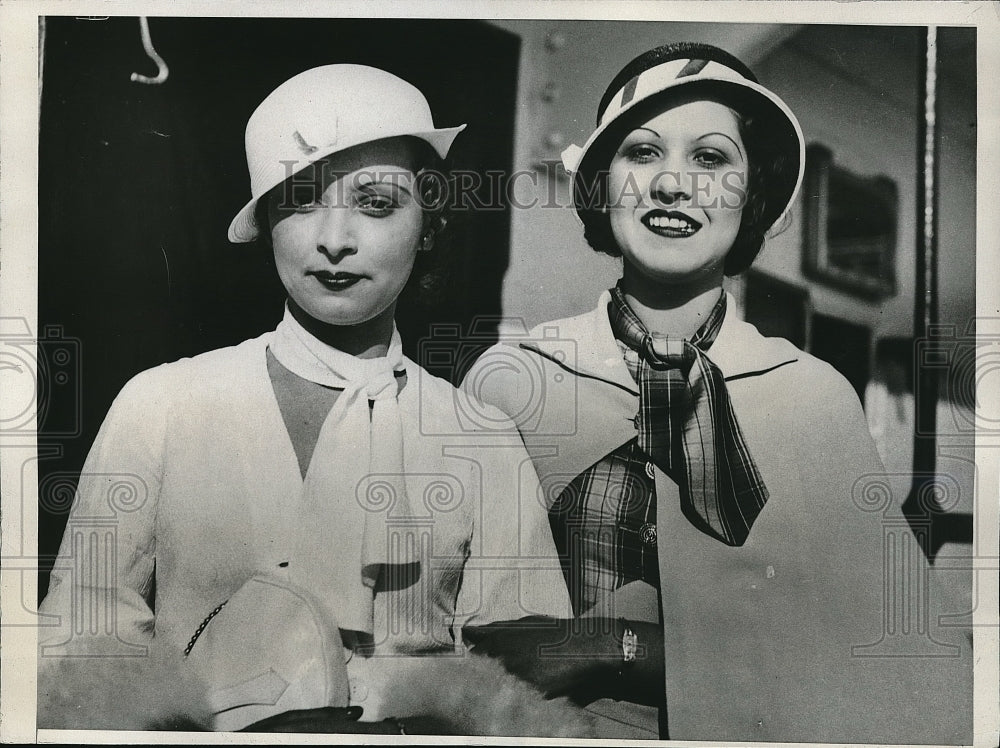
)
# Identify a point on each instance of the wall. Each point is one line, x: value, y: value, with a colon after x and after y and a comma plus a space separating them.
x: 855, y: 90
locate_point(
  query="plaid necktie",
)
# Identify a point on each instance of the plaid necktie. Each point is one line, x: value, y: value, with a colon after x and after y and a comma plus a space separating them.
x: 687, y: 426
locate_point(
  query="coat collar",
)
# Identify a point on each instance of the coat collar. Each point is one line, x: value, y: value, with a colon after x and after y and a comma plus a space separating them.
x: 739, y: 350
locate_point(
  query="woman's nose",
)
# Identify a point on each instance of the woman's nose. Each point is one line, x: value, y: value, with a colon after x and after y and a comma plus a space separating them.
x: 335, y: 236
x: 672, y: 185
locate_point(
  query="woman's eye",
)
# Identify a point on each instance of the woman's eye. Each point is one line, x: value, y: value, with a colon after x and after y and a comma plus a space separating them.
x: 710, y: 158
x: 375, y: 204
x: 304, y: 198
x: 641, y: 154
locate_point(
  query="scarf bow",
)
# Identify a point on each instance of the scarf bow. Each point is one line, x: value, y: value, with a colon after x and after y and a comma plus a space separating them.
x: 687, y: 426
x: 356, y: 478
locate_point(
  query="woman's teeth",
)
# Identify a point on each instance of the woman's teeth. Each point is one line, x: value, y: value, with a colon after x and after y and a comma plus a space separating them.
x: 670, y: 223
x: 672, y: 226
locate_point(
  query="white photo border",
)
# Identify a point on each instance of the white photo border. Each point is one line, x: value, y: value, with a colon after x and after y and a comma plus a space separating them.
x: 19, y: 103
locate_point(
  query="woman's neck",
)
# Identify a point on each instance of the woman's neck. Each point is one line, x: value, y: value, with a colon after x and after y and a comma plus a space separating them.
x: 368, y: 339
x: 677, y: 311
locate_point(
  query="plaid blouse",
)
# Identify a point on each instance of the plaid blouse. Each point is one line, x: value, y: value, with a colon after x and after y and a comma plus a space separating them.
x: 604, y: 526
x: 604, y: 521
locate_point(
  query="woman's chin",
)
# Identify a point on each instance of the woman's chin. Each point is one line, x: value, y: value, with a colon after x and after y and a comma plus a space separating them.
x: 676, y: 262
x: 341, y: 312
x: 681, y: 275
x: 343, y: 319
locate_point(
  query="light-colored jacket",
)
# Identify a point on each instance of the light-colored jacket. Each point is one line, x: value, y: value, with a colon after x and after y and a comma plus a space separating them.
x: 192, y: 486
x: 824, y: 625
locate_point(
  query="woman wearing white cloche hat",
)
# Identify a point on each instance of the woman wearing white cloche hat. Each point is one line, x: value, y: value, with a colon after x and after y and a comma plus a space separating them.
x: 314, y: 463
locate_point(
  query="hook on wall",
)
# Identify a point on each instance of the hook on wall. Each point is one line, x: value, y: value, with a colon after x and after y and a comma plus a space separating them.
x: 162, y: 71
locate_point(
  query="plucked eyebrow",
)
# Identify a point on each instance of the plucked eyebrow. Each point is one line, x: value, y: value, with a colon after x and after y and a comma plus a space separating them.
x: 393, y: 186
x: 392, y: 183
x: 647, y: 129
x: 727, y: 137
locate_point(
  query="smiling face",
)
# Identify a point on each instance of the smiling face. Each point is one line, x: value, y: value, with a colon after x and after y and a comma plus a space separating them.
x: 677, y: 187
x: 346, y: 232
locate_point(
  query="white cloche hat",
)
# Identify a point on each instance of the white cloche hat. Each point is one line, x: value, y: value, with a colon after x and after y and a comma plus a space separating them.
x: 322, y: 111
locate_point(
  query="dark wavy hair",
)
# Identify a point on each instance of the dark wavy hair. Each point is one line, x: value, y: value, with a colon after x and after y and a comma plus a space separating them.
x: 768, y: 164
x: 430, y: 267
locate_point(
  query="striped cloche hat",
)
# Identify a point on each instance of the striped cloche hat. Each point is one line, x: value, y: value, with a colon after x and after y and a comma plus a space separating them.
x: 653, y: 79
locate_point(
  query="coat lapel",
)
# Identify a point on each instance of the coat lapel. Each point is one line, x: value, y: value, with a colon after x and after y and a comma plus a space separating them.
x: 594, y: 352
x: 739, y: 349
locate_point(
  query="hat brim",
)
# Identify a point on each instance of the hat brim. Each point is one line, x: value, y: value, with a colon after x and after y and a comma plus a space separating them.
x: 784, y: 135
x: 243, y: 228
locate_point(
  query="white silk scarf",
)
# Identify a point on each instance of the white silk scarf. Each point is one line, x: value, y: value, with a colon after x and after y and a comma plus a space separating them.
x: 355, y: 477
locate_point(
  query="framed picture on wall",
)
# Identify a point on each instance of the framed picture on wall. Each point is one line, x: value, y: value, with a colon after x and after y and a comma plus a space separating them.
x: 849, y: 235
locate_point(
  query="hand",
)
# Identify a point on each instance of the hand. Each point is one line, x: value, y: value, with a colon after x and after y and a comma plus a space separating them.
x: 581, y: 658
x: 561, y: 657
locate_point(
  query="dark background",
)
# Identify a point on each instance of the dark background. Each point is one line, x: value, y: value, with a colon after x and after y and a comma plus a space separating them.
x: 138, y: 184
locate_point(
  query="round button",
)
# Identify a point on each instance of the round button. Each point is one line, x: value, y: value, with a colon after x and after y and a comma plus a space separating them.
x: 648, y: 533
x: 651, y: 470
